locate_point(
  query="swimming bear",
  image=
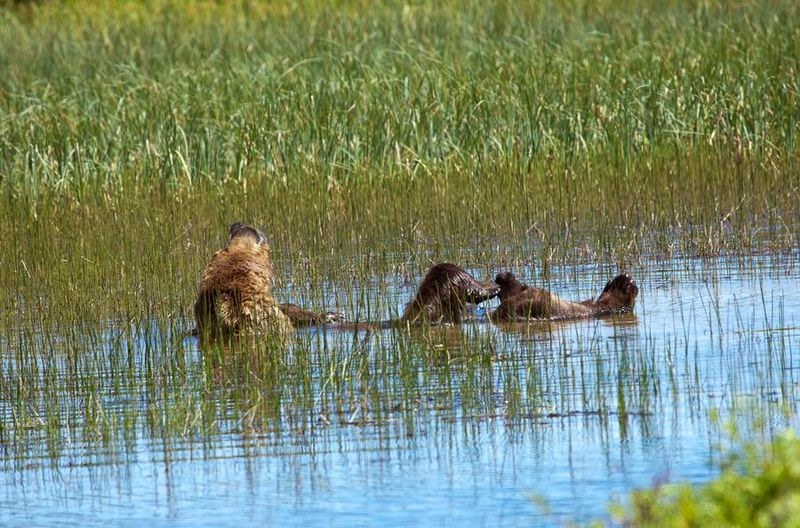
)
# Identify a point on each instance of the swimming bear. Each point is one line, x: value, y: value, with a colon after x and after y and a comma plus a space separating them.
x: 444, y: 293
x: 442, y: 297
x: 235, y: 293
x: 519, y: 301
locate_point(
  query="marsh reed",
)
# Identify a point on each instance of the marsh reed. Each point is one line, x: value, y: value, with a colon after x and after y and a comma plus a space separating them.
x: 563, y: 140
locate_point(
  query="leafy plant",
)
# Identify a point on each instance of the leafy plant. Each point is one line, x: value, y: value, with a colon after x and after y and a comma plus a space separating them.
x: 759, y: 487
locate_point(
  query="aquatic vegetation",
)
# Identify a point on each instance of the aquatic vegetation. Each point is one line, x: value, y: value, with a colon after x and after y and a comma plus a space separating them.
x: 565, y: 141
x: 392, y: 138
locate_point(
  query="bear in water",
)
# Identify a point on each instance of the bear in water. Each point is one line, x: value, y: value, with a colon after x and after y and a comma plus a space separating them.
x: 235, y: 293
x: 443, y: 295
x: 235, y: 289
x: 519, y: 301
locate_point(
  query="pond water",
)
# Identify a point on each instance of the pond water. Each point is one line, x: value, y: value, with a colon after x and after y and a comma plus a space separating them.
x: 524, y: 425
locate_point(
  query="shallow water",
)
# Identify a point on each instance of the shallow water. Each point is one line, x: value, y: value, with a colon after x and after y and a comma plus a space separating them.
x: 537, y: 423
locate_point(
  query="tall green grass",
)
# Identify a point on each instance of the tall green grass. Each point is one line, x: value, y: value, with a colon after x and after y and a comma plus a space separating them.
x: 352, y: 123
x: 116, y: 96
x: 369, y: 141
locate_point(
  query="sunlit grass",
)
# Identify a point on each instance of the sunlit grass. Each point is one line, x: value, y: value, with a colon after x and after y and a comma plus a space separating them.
x: 559, y: 139
x: 390, y: 137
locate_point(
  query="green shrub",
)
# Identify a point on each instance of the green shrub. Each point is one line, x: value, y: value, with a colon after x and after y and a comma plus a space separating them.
x: 759, y: 486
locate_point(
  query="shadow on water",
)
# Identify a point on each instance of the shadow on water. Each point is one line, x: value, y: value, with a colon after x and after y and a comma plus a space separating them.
x: 474, y: 418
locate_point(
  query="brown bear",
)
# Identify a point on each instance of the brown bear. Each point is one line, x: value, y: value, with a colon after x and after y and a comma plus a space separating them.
x: 235, y: 293
x: 443, y: 295
x: 235, y: 289
x: 519, y: 301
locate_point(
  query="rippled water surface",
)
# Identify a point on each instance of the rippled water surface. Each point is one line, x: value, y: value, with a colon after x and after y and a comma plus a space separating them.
x: 472, y: 425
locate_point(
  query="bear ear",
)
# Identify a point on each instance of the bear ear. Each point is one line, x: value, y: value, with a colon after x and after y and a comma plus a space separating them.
x: 261, y: 238
x: 505, y: 277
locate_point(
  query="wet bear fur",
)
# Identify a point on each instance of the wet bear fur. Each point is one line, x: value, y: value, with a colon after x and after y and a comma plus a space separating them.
x: 443, y: 295
x: 235, y: 293
x: 520, y: 301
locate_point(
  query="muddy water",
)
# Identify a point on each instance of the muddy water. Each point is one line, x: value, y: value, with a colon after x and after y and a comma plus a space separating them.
x: 525, y: 424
